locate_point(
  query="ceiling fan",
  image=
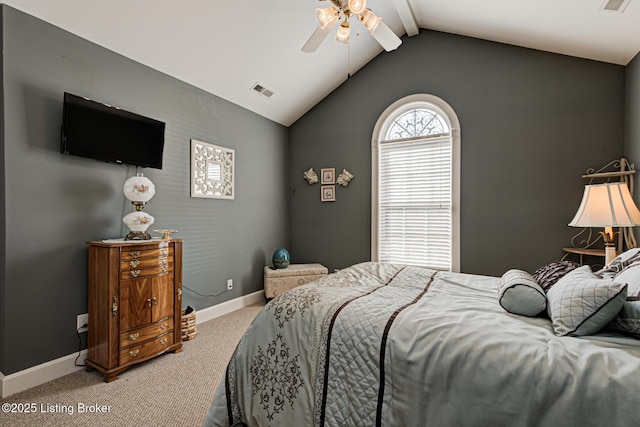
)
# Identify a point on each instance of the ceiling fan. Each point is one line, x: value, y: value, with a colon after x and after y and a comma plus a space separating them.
x: 343, y: 10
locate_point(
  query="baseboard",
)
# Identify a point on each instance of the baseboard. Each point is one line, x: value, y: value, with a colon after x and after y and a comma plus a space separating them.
x: 49, y: 371
x: 40, y: 374
x: 227, y: 307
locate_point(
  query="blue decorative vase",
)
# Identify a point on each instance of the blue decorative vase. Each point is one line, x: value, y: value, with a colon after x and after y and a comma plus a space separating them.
x: 281, y: 258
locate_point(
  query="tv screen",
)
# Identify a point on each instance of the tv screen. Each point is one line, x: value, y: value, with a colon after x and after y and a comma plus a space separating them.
x: 100, y: 131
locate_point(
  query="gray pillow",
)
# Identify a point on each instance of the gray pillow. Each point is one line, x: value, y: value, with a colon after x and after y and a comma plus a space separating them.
x: 581, y: 303
x: 628, y: 319
x: 519, y: 294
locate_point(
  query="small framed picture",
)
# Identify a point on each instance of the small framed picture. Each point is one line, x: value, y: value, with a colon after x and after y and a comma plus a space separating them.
x: 328, y: 175
x: 328, y: 193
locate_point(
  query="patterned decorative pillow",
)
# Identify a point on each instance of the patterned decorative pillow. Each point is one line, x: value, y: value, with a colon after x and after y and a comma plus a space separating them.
x: 546, y: 276
x: 628, y: 319
x: 581, y: 303
x: 519, y: 294
x: 619, y: 263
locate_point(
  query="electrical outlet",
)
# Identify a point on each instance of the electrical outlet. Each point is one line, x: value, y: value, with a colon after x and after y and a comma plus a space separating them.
x: 229, y: 284
x: 82, y: 320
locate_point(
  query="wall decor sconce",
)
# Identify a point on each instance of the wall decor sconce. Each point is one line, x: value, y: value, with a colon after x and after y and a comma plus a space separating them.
x: 328, y: 181
x: 311, y: 176
x: 344, y: 178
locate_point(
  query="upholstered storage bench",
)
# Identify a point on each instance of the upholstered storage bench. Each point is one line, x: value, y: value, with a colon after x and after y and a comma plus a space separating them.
x: 276, y: 281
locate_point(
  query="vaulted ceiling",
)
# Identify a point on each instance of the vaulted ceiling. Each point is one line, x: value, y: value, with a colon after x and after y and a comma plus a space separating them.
x: 226, y: 47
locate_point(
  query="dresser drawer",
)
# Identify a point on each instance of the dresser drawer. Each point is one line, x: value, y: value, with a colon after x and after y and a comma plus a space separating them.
x: 145, y: 349
x: 139, y: 252
x: 134, y: 273
x: 137, y: 336
x: 138, y: 263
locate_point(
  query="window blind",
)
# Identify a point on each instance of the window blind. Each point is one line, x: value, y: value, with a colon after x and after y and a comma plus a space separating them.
x: 415, y: 202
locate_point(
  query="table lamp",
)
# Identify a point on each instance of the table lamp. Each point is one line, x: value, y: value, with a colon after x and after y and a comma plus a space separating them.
x: 139, y: 189
x: 607, y: 205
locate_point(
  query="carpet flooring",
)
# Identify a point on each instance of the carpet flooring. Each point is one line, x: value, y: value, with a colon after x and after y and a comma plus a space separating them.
x: 170, y: 390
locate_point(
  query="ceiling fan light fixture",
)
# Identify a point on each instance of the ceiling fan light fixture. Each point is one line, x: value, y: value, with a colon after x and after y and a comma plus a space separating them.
x: 342, y: 11
x: 342, y: 36
x: 356, y: 7
x: 326, y: 16
x: 370, y: 20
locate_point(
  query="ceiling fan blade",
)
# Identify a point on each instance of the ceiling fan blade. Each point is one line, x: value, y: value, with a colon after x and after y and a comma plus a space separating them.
x: 318, y: 37
x: 387, y: 38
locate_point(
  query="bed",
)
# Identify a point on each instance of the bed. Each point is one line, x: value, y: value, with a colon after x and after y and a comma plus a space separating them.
x: 390, y: 345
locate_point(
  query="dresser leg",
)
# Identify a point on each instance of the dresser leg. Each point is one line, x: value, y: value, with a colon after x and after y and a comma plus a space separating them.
x: 110, y: 377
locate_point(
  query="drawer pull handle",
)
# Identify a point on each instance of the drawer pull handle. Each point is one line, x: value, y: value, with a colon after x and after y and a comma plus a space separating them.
x: 135, y: 336
x: 149, y: 302
x: 134, y: 263
x: 134, y: 353
x: 135, y: 254
x: 164, y: 251
x: 164, y: 268
x: 155, y: 301
x: 164, y: 341
x: 135, y: 273
x: 163, y: 326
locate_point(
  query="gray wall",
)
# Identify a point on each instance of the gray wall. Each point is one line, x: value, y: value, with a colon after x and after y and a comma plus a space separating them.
x: 531, y: 124
x: 3, y: 297
x: 55, y: 202
x: 632, y: 122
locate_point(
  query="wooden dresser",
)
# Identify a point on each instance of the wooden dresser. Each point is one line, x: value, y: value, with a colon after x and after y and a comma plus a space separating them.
x: 135, y: 303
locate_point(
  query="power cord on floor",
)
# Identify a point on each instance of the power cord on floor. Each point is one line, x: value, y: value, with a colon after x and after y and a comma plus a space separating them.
x: 75, y: 362
x: 203, y: 295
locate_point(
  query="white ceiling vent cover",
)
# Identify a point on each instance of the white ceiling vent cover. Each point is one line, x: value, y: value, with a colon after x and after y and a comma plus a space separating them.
x: 262, y: 90
x: 617, y: 6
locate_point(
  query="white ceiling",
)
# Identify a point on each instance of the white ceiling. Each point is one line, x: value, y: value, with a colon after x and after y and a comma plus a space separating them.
x: 225, y: 47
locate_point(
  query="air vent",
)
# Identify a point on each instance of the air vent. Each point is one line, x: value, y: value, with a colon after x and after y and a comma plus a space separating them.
x: 262, y: 90
x: 616, y: 6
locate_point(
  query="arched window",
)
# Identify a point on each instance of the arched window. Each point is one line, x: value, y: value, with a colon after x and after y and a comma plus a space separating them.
x: 415, y: 209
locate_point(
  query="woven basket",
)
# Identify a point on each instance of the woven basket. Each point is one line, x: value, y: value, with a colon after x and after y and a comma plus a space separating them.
x: 188, y: 324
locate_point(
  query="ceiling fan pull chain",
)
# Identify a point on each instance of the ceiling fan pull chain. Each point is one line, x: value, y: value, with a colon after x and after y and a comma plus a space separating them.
x: 349, y: 61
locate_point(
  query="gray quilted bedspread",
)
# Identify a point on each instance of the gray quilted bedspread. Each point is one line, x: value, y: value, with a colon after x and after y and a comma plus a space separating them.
x: 389, y: 345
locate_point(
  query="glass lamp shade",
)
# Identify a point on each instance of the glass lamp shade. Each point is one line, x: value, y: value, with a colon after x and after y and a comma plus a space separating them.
x: 139, y: 189
x: 138, y: 222
x: 342, y: 36
x: 325, y: 16
x: 370, y: 20
x: 357, y: 6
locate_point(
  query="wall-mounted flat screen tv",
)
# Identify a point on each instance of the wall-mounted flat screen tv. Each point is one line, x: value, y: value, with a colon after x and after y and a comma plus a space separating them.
x: 100, y: 131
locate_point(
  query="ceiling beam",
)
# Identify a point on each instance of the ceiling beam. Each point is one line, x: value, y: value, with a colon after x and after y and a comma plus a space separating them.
x: 406, y: 16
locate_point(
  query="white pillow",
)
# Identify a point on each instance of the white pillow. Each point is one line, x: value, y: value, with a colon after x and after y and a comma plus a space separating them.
x: 518, y: 293
x: 581, y: 303
x: 631, y: 276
